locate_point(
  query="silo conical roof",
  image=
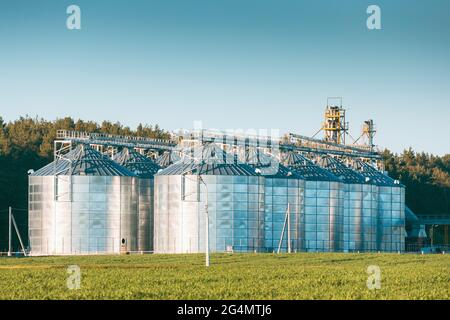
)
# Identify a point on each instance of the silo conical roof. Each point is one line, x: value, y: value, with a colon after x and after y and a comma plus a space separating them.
x: 269, y: 166
x: 137, y: 163
x: 306, y: 168
x: 167, y: 158
x: 83, y: 160
x: 209, y: 159
x: 340, y: 170
x: 373, y: 175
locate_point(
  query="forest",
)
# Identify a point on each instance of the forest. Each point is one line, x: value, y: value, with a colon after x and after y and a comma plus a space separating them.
x: 27, y: 143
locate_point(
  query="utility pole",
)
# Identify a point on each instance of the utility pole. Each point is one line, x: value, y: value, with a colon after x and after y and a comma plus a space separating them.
x: 18, y: 235
x: 287, y: 222
x: 10, y: 231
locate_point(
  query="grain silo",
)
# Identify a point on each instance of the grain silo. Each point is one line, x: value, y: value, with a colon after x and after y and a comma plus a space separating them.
x: 390, y: 198
x: 321, y: 227
x: 359, y: 223
x: 233, y: 191
x: 284, y: 205
x: 82, y: 203
x: 145, y: 169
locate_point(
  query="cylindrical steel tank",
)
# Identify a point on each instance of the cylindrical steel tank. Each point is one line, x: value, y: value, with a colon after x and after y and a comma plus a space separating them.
x: 235, y: 198
x: 82, y: 203
x: 390, y: 208
x: 322, y: 224
x: 284, y: 204
x: 145, y: 169
x: 359, y: 218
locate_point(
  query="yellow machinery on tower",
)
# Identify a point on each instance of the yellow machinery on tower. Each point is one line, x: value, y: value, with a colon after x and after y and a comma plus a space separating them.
x: 334, y: 126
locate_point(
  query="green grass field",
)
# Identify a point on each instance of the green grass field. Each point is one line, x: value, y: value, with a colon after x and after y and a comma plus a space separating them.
x: 236, y: 276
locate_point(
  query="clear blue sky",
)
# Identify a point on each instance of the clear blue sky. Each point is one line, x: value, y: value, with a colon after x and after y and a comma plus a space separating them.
x: 232, y: 64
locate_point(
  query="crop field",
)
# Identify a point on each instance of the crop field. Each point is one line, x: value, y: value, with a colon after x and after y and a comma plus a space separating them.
x: 230, y: 276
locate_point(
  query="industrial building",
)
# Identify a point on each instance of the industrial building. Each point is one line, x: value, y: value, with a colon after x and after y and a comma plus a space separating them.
x: 221, y: 193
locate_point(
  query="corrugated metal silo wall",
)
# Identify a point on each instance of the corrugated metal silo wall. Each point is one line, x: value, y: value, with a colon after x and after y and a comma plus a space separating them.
x: 324, y: 216
x: 279, y: 192
x: 40, y: 208
x: 236, y: 213
x: 88, y: 214
x: 392, y: 218
x: 370, y: 217
x: 331, y: 216
x: 353, y: 221
x: 145, y: 228
x: 361, y: 217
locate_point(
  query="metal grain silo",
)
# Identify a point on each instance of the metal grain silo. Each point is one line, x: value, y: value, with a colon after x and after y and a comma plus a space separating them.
x: 283, y: 190
x: 82, y: 203
x: 235, y: 196
x: 145, y: 169
x: 359, y: 229
x: 390, y: 199
x: 322, y: 225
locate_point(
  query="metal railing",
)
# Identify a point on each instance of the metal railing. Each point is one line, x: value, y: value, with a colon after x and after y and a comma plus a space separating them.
x: 306, y: 144
x: 115, y: 140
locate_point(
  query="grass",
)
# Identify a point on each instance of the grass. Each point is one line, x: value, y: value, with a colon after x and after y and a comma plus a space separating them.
x: 236, y: 276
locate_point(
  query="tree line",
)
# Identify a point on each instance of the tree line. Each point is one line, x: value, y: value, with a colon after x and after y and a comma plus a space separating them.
x: 426, y: 177
x: 27, y: 143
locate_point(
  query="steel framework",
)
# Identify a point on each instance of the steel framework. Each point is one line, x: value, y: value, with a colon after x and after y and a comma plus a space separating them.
x: 109, y: 143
